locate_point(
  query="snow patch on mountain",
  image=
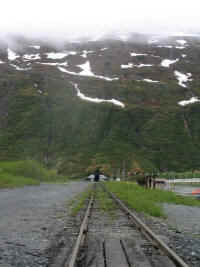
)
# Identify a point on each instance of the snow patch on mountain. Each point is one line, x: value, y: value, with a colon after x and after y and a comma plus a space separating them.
x: 53, y: 63
x: 167, y: 62
x: 85, y: 53
x: 152, y: 41
x: 181, y: 42
x: 12, y: 55
x: 31, y: 57
x: 97, y: 100
x: 103, y: 49
x: 182, y: 78
x: 86, y: 71
x: 58, y: 55
x: 143, y: 65
x: 164, y: 46
x: 180, y: 47
x: 35, y: 46
x: 19, y: 68
x: 135, y: 54
x: 190, y: 101
x: 67, y: 71
x: 129, y: 66
x: 150, y: 81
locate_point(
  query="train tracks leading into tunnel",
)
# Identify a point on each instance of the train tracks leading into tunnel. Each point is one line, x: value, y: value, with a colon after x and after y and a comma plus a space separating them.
x: 128, y: 243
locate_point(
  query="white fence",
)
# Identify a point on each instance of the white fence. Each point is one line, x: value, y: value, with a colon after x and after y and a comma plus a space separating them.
x: 191, y: 180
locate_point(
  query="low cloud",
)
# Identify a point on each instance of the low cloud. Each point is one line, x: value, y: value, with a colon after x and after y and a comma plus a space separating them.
x: 73, y: 19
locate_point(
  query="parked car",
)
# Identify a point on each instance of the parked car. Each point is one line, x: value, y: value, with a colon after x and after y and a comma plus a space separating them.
x: 91, y: 177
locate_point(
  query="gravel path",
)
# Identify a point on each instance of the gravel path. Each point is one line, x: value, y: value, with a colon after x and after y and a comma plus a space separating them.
x: 30, y: 217
x: 183, y: 218
x: 184, y: 221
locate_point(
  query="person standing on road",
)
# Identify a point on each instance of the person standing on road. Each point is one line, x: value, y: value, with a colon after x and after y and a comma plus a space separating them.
x: 96, y: 175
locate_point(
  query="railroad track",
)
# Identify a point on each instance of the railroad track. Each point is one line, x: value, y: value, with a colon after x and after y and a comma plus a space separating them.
x: 129, y: 243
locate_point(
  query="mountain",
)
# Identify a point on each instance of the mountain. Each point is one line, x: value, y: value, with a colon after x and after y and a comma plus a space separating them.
x: 111, y: 102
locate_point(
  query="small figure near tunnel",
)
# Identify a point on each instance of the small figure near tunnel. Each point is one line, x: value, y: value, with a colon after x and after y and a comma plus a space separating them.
x: 96, y: 175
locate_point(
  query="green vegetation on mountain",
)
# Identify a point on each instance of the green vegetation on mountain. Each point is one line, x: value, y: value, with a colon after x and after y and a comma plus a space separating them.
x: 42, y: 119
x: 26, y: 172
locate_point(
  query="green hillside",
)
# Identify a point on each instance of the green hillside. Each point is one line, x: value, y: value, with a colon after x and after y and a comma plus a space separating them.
x: 42, y: 118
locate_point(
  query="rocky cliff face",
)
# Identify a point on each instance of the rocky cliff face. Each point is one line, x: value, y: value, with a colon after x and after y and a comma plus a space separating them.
x: 110, y: 103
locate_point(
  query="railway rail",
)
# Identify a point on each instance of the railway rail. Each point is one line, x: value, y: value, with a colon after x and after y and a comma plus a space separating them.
x: 119, y: 252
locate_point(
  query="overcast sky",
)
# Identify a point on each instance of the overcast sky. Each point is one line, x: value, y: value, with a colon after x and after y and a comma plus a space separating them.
x: 58, y: 18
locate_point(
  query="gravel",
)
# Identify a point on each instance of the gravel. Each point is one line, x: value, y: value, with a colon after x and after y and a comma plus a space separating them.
x: 33, y: 218
x: 183, y: 218
x: 30, y: 219
x: 181, y: 231
x: 184, y: 221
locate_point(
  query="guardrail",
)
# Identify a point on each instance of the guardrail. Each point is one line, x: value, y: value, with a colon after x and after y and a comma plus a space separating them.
x: 189, y: 180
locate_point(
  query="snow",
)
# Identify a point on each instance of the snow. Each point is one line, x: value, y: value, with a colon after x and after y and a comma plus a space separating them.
x: 85, y: 53
x: 103, y: 49
x: 54, y: 63
x: 53, y: 55
x: 180, y: 47
x: 67, y: 71
x: 190, y: 101
x: 71, y: 53
x: 31, y: 57
x: 164, y: 46
x: 182, y: 78
x: 150, y: 81
x: 143, y: 65
x: 35, y: 46
x: 129, y: 66
x: 167, y: 62
x: 97, y: 100
x: 19, y: 68
x: 86, y: 71
x: 1, y: 62
x: 181, y: 42
x: 135, y: 54
x: 183, y: 55
x: 12, y: 55
x: 58, y: 55
x: 152, y: 41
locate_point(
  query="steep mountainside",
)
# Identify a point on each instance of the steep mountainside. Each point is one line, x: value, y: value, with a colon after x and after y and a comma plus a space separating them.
x: 108, y: 103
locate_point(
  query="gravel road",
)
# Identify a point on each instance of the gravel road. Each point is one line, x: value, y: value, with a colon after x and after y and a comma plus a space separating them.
x: 29, y: 218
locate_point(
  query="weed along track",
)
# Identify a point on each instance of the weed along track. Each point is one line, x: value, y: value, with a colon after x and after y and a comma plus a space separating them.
x: 112, y: 236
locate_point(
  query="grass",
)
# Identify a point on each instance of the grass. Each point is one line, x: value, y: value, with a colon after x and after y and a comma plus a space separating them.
x: 27, y: 172
x: 8, y: 180
x: 79, y: 202
x: 106, y: 204
x: 148, y: 201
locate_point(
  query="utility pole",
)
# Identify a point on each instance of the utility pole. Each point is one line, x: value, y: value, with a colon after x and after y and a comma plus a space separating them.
x: 119, y: 173
x: 124, y: 170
